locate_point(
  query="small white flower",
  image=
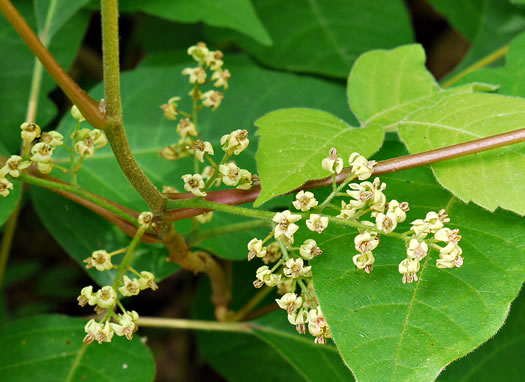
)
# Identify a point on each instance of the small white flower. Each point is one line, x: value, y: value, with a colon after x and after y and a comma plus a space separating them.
x: 170, y: 108
x: 290, y: 302
x: 265, y: 276
x: 214, y: 60
x: 131, y: 287
x: 332, y: 164
x: 366, y: 241
x: 87, y: 297
x: 398, y: 209
x: 309, y: 249
x: 420, y: 228
x: 185, y: 127
x: 92, y: 328
x: 104, y: 334
x: 317, y: 326
x: 255, y: 248
x: 273, y: 253
x: 295, y: 268
x: 99, y: 138
x: 145, y: 219
x: 197, y: 75
x: 53, y: 138
x: 127, y: 324
x: 194, y: 184
x: 317, y: 223
x: 235, y: 142
x: 199, y: 52
x: 305, y: 201
x: 417, y: 250
x: 347, y: 211
x: 85, y: 148
x: 361, y: 167
x: 434, y: 222
x: 77, y: 114
x: 450, y: 256
x: 285, y: 225
x: 42, y: 152
x: 364, y: 261
x: 221, y: 78
x: 30, y: 131
x: 44, y: 167
x: 447, y: 235
x: 299, y: 319
x: 386, y: 222
x: 147, y: 280
x: 100, y: 260
x: 212, y: 98
x: 200, y: 148
x: 245, y: 181
x: 230, y: 174
x: 409, y: 268
x: 106, y: 297
x: 361, y: 193
x: 13, y: 166
x: 204, y: 218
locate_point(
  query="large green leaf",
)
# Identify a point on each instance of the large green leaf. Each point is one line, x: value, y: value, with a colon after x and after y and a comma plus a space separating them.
x: 294, y: 142
x: 509, y: 77
x: 388, y: 81
x: 326, y: 36
x: 498, y: 359
x: 239, y: 15
x: 492, y: 179
x: 254, y: 91
x: 50, y: 348
x: 386, y: 330
x: 80, y: 232
x: 16, y: 69
x: 272, y: 351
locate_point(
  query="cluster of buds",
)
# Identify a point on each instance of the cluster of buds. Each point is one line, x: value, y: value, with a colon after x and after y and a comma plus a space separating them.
x: 106, y: 299
x: 86, y: 140
x: 189, y: 142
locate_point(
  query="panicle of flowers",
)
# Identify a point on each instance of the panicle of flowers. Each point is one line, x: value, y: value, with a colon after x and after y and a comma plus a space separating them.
x: 107, y: 299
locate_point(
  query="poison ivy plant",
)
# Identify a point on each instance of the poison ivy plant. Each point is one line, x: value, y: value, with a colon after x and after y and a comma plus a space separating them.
x: 443, y: 118
x: 508, y: 77
x: 31, y: 346
x: 148, y: 132
x: 325, y: 37
x: 386, y: 330
x: 294, y: 141
x: 19, y: 63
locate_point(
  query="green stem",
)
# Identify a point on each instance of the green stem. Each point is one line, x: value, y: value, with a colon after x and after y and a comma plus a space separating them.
x: 216, y: 172
x: 177, y: 323
x: 201, y: 203
x: 7, y: 238
x: 79, y: 192
x: 496, y: 55
x: 123, y: 267
x: 199, y: 237
x: 250, y: 305
x: 336, y: 191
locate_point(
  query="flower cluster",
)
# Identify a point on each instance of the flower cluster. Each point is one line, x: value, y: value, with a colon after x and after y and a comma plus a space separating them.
x: 288, y: 267
x: 106, y: 299
x: 86, y: 140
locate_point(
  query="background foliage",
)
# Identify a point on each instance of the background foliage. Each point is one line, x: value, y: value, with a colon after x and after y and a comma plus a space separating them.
x: 298, y: 87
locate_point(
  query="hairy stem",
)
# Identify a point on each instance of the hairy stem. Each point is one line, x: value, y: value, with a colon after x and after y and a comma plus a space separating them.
x: 178, y: 323
x: 116, y: 133
x: 87, y: 105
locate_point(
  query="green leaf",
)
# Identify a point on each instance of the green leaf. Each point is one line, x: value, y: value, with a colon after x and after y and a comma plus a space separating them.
x: 51, y: 15
x: 18, y: 64
x: 493, y: 178
x: 253, y: 90
x: 382, y: 80
x: 80, y: 232
x: 385, y: 86
x: 238, y: 15
x: 295, y: 141
x: 325, y: 37
x: 389, y: 331
x: 50, y: 348
x: 498, y: 359
x: 273, y: 351
x: 508, y: 77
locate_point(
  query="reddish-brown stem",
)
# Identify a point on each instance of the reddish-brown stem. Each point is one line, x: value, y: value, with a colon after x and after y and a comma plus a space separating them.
x: 87, y: 105
x: 236, y: 197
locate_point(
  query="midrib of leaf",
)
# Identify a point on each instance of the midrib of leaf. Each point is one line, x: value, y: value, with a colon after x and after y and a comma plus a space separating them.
x: 322, y: 22
x: 76, y: 362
